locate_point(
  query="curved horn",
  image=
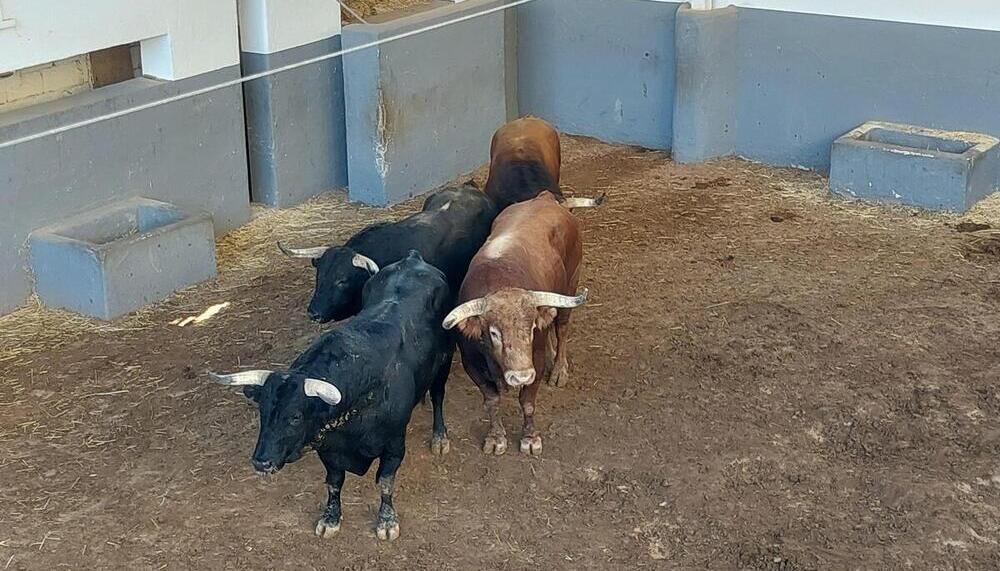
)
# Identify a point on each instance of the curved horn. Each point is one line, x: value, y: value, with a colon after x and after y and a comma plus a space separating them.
x: 585, y: 202
x: 547, y: 299
x: 244, y: 378
x: 365, y: 263
x: 310, y: 253
x: 465, y: 311
x: 322, y: 389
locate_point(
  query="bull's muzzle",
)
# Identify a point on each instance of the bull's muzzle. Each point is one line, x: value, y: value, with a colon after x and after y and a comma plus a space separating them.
x: 263, y: 466
x: 519, y: 378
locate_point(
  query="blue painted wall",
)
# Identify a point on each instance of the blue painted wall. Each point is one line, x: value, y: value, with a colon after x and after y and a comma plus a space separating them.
x: 421, y: 111
x: 296, y: 135
x: 603, y: 68
x: 804, y: 80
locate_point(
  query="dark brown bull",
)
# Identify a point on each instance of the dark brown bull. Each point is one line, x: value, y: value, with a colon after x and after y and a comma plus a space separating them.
x: 519, y: 287
x: 524, y: 160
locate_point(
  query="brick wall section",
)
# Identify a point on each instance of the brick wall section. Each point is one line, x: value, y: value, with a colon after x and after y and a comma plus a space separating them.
x: 44, y: 83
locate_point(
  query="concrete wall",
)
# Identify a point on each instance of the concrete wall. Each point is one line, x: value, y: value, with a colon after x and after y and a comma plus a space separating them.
x: 705, y: 102
x: 180, y: 38
x: 295, y: 119
x: 295, y: 125
x: 603, y: 68
x: 803, y: 80
x: 191, y: 153
x: 971, y: 14
x: 272, y: 26
x: 422, y: 110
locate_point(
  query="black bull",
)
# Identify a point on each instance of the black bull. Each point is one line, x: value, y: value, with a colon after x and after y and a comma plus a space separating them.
x: 448, y: 232
x: 350, y: 395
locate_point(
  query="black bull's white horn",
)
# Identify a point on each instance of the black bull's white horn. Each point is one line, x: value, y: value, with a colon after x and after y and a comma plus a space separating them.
x: 365, y: 263
x: 244, y: 378
x: 310, y: 253
x: 322, y: 389
x: 585, y: 202
x: 479, y: 306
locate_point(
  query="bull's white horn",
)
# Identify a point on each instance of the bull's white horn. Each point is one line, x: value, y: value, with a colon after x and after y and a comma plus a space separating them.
x: 310, y: 253
x: 548, y: 299
x: 244, y: 378
x: 365, y: 263
x: 322, y: 389
x: 466, y: 310
x: 585, y: 202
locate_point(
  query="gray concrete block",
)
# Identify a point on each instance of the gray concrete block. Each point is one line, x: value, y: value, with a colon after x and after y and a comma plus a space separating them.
x: 931, y: 168
x: 421, y: 110
x: 705, y: 104
x: 114, y: 259
x: 296, y: 135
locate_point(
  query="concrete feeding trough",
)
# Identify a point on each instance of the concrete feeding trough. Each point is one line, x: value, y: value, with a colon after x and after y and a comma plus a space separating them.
x: 941, y: 170
x: 114, y: 259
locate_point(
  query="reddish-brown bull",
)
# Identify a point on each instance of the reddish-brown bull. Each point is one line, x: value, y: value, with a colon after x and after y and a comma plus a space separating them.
x: 519, y: 287
x: 524, y: 160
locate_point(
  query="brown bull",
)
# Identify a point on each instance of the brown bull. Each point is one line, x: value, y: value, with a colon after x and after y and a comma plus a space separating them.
x: 519, y: 287
x: 524, y: 160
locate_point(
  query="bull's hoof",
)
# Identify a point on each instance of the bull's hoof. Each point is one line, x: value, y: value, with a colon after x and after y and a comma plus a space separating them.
x: 387, y: 530
x: 531, y: 446
x: 495, y: 445
x: 327, y: 527
x: 559, y: 376
x: 440, y: 445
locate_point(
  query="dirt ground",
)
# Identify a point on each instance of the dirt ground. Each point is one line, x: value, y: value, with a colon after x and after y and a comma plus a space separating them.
x: 765, y: 379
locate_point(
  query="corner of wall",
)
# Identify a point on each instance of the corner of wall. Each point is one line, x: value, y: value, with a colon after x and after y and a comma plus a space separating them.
x: 705, y: 101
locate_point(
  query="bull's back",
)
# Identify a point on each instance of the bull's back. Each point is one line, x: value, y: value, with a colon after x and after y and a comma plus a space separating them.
x: 447, y: 237
x: 534, y: 245
x: 525, y: 159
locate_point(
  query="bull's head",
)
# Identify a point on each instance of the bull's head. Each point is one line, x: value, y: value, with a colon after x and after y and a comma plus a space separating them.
x: 293, y: 410
x: 506, y: 321
x: 341, y: 274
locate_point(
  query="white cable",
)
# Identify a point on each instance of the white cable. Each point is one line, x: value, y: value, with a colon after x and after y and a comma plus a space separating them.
x: 251, y: 77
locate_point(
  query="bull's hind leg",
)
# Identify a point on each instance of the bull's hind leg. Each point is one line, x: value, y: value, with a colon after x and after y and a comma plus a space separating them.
x: 439, y: 440
x: 387, y: 527
x: 560, y: 370
x: 329, y: 524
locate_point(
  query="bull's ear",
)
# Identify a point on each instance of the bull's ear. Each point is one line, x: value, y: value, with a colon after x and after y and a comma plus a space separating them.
x: 322, y: 390
x: 471, y: 327
x: 252, y: 392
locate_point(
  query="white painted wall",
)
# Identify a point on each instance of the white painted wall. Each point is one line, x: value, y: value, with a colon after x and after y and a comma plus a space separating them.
x: 269, y: 26
x: 180, y: 38
x: 975, y: 14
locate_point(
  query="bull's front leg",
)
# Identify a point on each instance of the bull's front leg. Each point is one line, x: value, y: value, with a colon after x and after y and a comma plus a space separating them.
x: 496, y: 439
x: 439, y: 440
x: 560, y: 370
x: 387, y: 527
x: 329, y: 524
x: 478, y: 369
x: 531, y: 441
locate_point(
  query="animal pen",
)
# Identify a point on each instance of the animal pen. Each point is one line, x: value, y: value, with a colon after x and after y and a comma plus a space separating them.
x: 785, y: 361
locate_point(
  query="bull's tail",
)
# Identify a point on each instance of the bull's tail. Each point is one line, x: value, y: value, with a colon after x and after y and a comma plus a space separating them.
x: 585, y: 202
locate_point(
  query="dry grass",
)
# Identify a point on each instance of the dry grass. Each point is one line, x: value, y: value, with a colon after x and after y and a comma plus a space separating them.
x: 243, y: 255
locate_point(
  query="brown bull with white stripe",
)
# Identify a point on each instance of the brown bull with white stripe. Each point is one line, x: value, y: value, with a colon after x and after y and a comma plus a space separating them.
x: 520, y: 286
x: 525, y: 158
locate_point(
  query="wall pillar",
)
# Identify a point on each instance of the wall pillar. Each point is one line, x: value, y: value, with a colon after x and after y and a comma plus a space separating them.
x: 295, y: 119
